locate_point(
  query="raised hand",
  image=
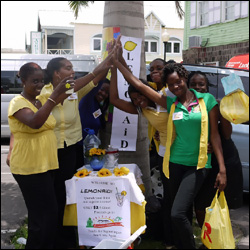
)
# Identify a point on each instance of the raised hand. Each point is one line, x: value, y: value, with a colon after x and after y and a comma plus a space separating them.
x: 66, y: 84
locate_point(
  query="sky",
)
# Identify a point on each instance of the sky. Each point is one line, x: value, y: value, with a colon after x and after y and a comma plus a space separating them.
x: 19, y: 18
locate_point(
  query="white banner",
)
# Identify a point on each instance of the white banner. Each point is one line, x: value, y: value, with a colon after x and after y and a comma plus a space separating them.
x: 103, y: 209
x: 124, y: 125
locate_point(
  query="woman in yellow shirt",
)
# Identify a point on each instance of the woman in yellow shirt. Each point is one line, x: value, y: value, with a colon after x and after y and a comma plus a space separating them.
x: 68, y: 131
x: 33, y: 158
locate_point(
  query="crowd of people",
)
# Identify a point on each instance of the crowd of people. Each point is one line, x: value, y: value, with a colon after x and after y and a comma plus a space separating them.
x: 195, y: 152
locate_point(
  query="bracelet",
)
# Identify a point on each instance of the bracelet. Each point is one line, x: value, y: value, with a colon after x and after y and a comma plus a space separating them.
x: 92, y: 74
x: 51, y: 100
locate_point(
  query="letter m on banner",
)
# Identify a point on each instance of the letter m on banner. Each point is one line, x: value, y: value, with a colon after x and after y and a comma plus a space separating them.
x: 124, y: 126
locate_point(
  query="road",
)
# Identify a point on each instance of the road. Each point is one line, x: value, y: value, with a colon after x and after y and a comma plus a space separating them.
x: 13, y: 209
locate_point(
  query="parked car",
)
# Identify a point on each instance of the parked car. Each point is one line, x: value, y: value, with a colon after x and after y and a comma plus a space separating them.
x: 240, y: 133
x: 11, y: 85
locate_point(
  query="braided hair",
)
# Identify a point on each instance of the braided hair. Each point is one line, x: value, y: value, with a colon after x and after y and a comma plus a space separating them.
x: 193, y: 73
x: 170, y: 68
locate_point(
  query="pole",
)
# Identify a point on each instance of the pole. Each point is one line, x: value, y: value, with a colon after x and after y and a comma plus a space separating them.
x: 165, y: 48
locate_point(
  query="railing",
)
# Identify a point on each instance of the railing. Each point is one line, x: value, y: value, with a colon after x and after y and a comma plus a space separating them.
x: 60, y: 51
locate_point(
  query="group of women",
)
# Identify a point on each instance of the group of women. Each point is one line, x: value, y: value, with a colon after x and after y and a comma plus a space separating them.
x: 46, y: 130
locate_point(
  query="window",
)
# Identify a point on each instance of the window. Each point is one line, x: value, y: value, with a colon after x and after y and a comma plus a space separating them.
x: 10, y: 84
x: 97, y: 43
x: 229, y: 10
x: 151, y: 46
x: 203, y: 13
x: 173, y: 46
x: 232, y: 10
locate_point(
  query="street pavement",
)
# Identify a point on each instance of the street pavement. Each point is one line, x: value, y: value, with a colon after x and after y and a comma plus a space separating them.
x: 13, y: 210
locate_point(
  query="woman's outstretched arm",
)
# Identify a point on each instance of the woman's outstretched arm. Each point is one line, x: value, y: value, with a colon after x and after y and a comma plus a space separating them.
x: 114, y: 96
x: 131, y: 79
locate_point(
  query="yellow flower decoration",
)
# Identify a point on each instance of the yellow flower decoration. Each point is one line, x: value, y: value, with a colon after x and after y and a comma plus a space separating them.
x: 121, y: 171
x: 104, y: 172
x: 124, y: 193
x: 67, y: 85
x: 96, y: 151
x: 82, y: 173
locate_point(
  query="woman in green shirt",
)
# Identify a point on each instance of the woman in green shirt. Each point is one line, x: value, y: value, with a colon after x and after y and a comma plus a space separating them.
x: 194, y: 115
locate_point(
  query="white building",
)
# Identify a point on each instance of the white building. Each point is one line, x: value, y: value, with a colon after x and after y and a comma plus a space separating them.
x: 61, y: 34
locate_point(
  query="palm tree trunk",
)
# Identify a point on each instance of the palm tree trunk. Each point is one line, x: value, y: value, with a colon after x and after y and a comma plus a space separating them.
x: 129, y: 16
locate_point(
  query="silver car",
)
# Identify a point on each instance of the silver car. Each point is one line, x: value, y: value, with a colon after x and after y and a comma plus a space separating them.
x: 240, y: 134
x: 11, y: 85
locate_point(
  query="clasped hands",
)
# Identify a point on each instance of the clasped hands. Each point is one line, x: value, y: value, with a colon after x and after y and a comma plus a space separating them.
x: 114, y: 54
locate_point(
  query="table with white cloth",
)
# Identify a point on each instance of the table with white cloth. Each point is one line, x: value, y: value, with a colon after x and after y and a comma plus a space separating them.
x: 105, y: 207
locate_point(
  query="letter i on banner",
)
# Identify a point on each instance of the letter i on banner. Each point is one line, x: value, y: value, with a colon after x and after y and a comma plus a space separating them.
x: 124, y: 125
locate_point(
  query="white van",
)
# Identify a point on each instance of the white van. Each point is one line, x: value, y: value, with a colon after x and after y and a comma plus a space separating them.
x: 11, y: 85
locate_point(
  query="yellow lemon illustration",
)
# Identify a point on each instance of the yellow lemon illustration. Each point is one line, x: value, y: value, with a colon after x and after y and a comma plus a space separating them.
x: 130, y: 46
x: 124, y: 193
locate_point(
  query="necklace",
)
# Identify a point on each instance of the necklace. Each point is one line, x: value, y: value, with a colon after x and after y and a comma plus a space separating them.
x: 189, y: 101
x: 34, y: 103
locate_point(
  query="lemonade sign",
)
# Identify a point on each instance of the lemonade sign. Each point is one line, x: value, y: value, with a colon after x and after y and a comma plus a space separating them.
x: 103, y: 209
x: 124, y: 125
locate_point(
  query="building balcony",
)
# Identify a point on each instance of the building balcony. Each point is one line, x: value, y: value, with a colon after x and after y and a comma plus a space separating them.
x: 60, y: 51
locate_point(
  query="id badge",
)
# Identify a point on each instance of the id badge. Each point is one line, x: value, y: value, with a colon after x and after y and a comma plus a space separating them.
x: 73, y: 97
x: 178, y: 116
x: 97, y: 113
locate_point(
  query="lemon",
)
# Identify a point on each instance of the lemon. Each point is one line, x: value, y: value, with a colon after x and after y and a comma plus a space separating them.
x: 125, y: 170
x: 130, y: 46
x: 116, y: 169
x: 124, y: 193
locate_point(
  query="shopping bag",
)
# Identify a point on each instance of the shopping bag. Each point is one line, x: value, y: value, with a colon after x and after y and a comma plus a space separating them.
x: 216, y: 232
x: 235, y: 107
x: 232, y: 83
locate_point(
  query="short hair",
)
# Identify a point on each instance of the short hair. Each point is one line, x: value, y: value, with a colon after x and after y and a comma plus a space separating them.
x: 28, y: 69
x: 159, y: 59
x: 171, y: 61
x: 193, y: 73
x: 106, y: 81
x: 170, y: 68
x: 132, y: 89
x: 53, y: 65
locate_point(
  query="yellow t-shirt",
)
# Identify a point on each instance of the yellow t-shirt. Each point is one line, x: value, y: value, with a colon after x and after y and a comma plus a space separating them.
x: 34, y: 150
x: 158, y: 121
x: 68, y: 124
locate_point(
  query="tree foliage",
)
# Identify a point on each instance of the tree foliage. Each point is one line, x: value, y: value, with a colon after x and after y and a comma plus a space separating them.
x: 76, y: 6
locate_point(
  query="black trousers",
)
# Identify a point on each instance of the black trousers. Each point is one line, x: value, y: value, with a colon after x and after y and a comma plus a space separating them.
x: 184, y: 182
x: 168, y: 231
x: 39, y: 196
x: 66, y: 235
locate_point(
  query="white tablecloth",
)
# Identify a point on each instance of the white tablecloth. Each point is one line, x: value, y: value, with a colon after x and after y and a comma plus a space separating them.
x: 134, y: 178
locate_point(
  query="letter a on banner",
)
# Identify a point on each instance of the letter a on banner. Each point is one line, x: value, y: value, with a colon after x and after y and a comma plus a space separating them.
x: 124, y: 125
